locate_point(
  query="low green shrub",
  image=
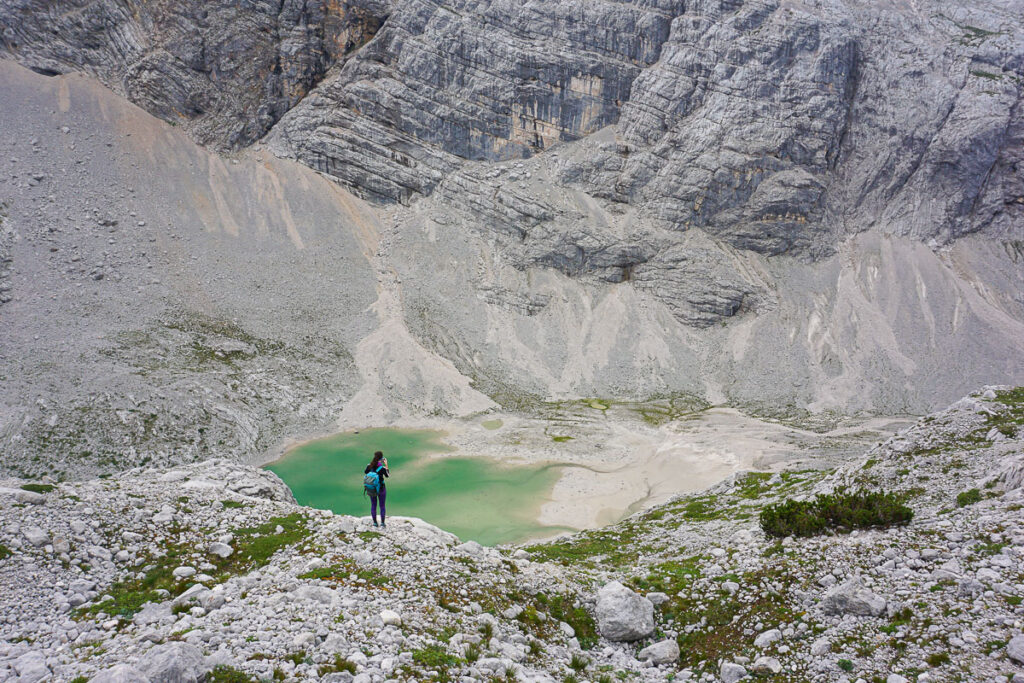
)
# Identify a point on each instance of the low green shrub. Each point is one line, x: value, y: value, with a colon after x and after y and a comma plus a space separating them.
x: 434, y: 656
x: 838, y: 511
x: 338, y: 665
x: 228, y: 674
x: 969, y: 497
x: 37, y: 488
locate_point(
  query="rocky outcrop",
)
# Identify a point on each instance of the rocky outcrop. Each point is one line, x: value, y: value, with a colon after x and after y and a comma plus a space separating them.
x: 174, y: 663
x: 623, y: 615
x: 853, y: 598
x: 227, y: 72
x: 662, y: 652
x: 1015, y: 649
x: 472, y: 79
x: 775, y: 128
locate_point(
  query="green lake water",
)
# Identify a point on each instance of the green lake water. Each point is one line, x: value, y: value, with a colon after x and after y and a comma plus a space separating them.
x: 475, y: 498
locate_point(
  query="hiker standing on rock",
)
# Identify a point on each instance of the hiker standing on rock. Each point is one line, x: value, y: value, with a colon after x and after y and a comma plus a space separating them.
x: 373, y: 485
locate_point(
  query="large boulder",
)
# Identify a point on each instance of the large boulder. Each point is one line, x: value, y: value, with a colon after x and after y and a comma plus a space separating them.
x: 31, y: 667
x: 852, y: 597
x: 731, y: 672
x: 664, y: 652
x: 1015, y: 649
x: 35, y: 536
x: 391, y: 618
x: 623, y: 615
x: 173, y: 663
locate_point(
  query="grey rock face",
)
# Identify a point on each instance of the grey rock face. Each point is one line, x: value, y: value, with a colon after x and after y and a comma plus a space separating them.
x: 1015, y: 649
x: 6, y: 240
x: 853, y: 598
x: 773, y: 128
x: 220, y: 549
x: 31, y: 667
x: 703, y: 144
x: 174, y: 663
x: 472, y: 79
x: 35, y: 536
x: 663, y: 652
x: 122, y: 673
x: 623, y: 615
x: 227, y: 72
x: 766, y: 666
x: 731, y: 672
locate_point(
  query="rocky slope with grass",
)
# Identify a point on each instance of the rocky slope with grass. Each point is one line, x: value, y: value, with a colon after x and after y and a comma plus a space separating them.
x: 211, y: 572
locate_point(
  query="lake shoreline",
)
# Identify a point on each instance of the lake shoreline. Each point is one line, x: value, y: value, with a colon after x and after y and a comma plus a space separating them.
x: 614, y: 468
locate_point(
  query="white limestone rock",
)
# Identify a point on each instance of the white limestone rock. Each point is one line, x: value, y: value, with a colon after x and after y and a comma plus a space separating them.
x: 623, y: 615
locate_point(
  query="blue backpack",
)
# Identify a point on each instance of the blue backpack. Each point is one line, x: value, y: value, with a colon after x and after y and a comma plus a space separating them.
x: 371, y: 484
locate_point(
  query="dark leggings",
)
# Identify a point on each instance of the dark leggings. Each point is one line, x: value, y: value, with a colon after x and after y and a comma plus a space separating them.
x: 373, y: 505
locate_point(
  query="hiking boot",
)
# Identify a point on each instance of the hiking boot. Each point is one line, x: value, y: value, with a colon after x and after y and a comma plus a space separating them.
x: 375, y: 524
x: 384, y: 525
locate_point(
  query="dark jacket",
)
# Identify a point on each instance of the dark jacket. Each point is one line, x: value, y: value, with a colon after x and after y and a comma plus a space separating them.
x: 382, y: 472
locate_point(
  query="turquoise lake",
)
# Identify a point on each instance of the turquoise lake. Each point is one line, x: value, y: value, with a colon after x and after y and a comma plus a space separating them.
x: 476, y: 498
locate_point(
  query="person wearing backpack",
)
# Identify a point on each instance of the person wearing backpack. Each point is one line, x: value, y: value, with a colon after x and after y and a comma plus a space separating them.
x: 373, y: 485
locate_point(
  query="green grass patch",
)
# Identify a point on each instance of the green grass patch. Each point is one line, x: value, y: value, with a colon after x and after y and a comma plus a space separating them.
x: 1010, y: 417
x: 990, y: 548
x: 223, y: 673
x: 253, y: 548
x: 369, y: 535
x: 969, y: 497
x: 587, y: 547
x: 344, y: 571
x: 37, y: 488
x: 232, y: 504
x: 712, y: 626
x: 669, y: 577
x: 660, y: 410
x: 5, y: 552
x: 752, y: 485
x: 562, y: 608
x: 337, y: 666
x: 985, y: 74
x: 840, y: 512
x: 435, y: 657
x: 702, y: 509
